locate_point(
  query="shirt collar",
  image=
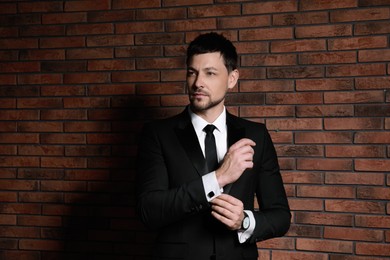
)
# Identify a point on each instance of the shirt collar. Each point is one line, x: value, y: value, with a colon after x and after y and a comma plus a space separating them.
x: 199, y: 123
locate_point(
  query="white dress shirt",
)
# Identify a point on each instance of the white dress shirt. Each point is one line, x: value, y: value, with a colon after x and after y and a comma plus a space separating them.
x: 210, y: 183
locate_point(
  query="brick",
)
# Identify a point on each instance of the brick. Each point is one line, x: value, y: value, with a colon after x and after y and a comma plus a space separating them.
x: 40, y: 150
x: 294, y: 72
x: 20, y: 43
x: 375, y: 165
x: 111, y: 89
x: 354, y: 178
x: 372, y: 221
x: 251, y: 47
x: 19, y: 138
x: 373, y: 2
x: 294, y: 124
x: 372, y: 28
x: 357, y: 43
x: 319, y: 31
x: 64, y: 18
x: 324, y: 84
x: 281, y: 137
x: 244, y: 22
x: 135, y: 76
x: 46, y: 30
x: 372, y: 137
x: 90, y: 53
x: 375, y: 193
x: 41, y: 174
x: 19, y: 115
x: 132, y: 4
x: 315, y: 191
x: 35, y: 244
x: 190, y: 24
x: 39, y: 127
x: 138, y: 51
x: 40, y: 103
x: 266, y: 111
x: 277, y: 243
x: 159, y: 38
x: 373, y: 83
x: 359, y: 15
x: 82, y: 102
x: 352, y: 123
x: 90, y: 77
x: 305, y: 204
x: 63, y: 42
x: 266, y: 85
x: 8, y: 149
x: 161, y: 88
x: 8, y: 8
x: 139, y: 27
x: 7, y: 220
x: 327, y: 58
x: 157, y: 63
x: 302, y: 177
x: 294, y: 255
x: 87, y: 127
x: 298, y: 45
x: 110, y: 40
x: 318, y: 245
x: 373, y: 249
x: 354, y: 206
x: 61, y: 138
x: 63, y: 66
x: 186, y: 2
x: 63, y: 162
x: 270, y: 7
x: 325, y: 111
x: 88, y: 150
x: 265, y: 34
x: 354, y: 234
x: 354, y: 97
x: 214, y: 10
x: 173, y: 75
x: 161, y: 14
x: 372, y: 110
x: 49, y: 221
x: 355, y: 151
x: 268, y: 60
x: 20, y: 19
x: 17, y: 67
x: 62, y: 90
x: 40, y: 7
x: 300, y: 18
x: 306, y: 5
x: 8, y: 126
x: 294, y: 98
x: 323, y: 137
x: 374, y: 55
x: 42, y: 55
x: 253, y: 73
x: 324, y: 164
x: 40, y: 79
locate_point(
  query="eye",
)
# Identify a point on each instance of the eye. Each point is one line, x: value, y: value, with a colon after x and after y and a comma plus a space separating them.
x: 190, y: 73
x: 210, y: 73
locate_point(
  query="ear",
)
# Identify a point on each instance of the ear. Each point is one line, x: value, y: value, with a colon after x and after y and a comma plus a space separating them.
x: 233, y: 78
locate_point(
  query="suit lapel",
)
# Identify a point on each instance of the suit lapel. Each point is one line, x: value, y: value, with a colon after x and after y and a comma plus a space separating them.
x: 188, y: 139
x: 234, y: 132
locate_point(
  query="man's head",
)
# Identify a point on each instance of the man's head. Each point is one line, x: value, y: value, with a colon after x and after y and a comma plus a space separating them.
x: 211, y: 72
x: 213, y: 42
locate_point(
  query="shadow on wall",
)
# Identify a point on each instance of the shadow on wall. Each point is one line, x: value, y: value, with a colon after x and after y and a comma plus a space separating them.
x: 101, y: 223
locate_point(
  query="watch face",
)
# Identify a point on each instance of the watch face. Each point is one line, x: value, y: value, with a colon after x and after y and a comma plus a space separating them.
x: 245, y: 223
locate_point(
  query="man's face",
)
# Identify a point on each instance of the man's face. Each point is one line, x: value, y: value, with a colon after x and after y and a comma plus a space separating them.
x: 208, y: 81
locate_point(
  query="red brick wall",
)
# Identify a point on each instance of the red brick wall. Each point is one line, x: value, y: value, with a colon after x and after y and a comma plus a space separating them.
x: 78, y: 78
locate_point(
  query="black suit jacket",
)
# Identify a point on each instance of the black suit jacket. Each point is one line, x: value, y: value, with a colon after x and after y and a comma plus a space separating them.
x: 170, y: 193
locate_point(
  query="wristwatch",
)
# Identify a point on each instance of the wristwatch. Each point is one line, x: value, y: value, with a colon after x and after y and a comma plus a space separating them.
x: 245, y: 222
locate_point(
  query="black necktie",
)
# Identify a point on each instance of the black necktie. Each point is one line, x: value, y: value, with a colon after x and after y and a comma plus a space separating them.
x: 210, y: 148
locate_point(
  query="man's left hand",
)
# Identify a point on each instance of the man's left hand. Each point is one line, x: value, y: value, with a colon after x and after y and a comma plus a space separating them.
x: 228, y: 210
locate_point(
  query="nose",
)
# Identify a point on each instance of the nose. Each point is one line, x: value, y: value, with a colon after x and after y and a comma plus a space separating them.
x: 198, y: 83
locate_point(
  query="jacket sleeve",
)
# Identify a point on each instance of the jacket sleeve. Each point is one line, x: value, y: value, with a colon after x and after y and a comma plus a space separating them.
x: 273, y: 217
x: 159, y: 204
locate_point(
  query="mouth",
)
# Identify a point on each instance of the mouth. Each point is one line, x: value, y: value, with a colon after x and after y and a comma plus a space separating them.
x: 198, y: 94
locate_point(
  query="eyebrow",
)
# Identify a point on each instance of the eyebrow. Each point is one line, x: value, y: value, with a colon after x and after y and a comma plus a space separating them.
x: 205, y: 69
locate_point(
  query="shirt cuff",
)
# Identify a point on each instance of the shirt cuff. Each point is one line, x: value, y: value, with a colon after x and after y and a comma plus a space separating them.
x: 244, y: 235
x: 211, y: 186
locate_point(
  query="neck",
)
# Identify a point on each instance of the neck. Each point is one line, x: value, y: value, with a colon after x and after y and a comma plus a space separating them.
x: 211, y: 114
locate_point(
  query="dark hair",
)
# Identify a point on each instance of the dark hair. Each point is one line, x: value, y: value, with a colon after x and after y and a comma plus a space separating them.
x: 214, y: 42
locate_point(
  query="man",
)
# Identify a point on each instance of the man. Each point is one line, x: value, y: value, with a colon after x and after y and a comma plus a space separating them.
x: 204, y: 209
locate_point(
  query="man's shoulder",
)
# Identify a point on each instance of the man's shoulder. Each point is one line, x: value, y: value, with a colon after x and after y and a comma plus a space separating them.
x: 244, y: 122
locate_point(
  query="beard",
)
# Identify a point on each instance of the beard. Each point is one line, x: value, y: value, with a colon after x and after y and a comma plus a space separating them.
x: 199, y: 105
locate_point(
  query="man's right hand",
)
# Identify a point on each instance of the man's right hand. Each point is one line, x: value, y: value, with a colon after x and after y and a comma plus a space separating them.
x: 238, y: 158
